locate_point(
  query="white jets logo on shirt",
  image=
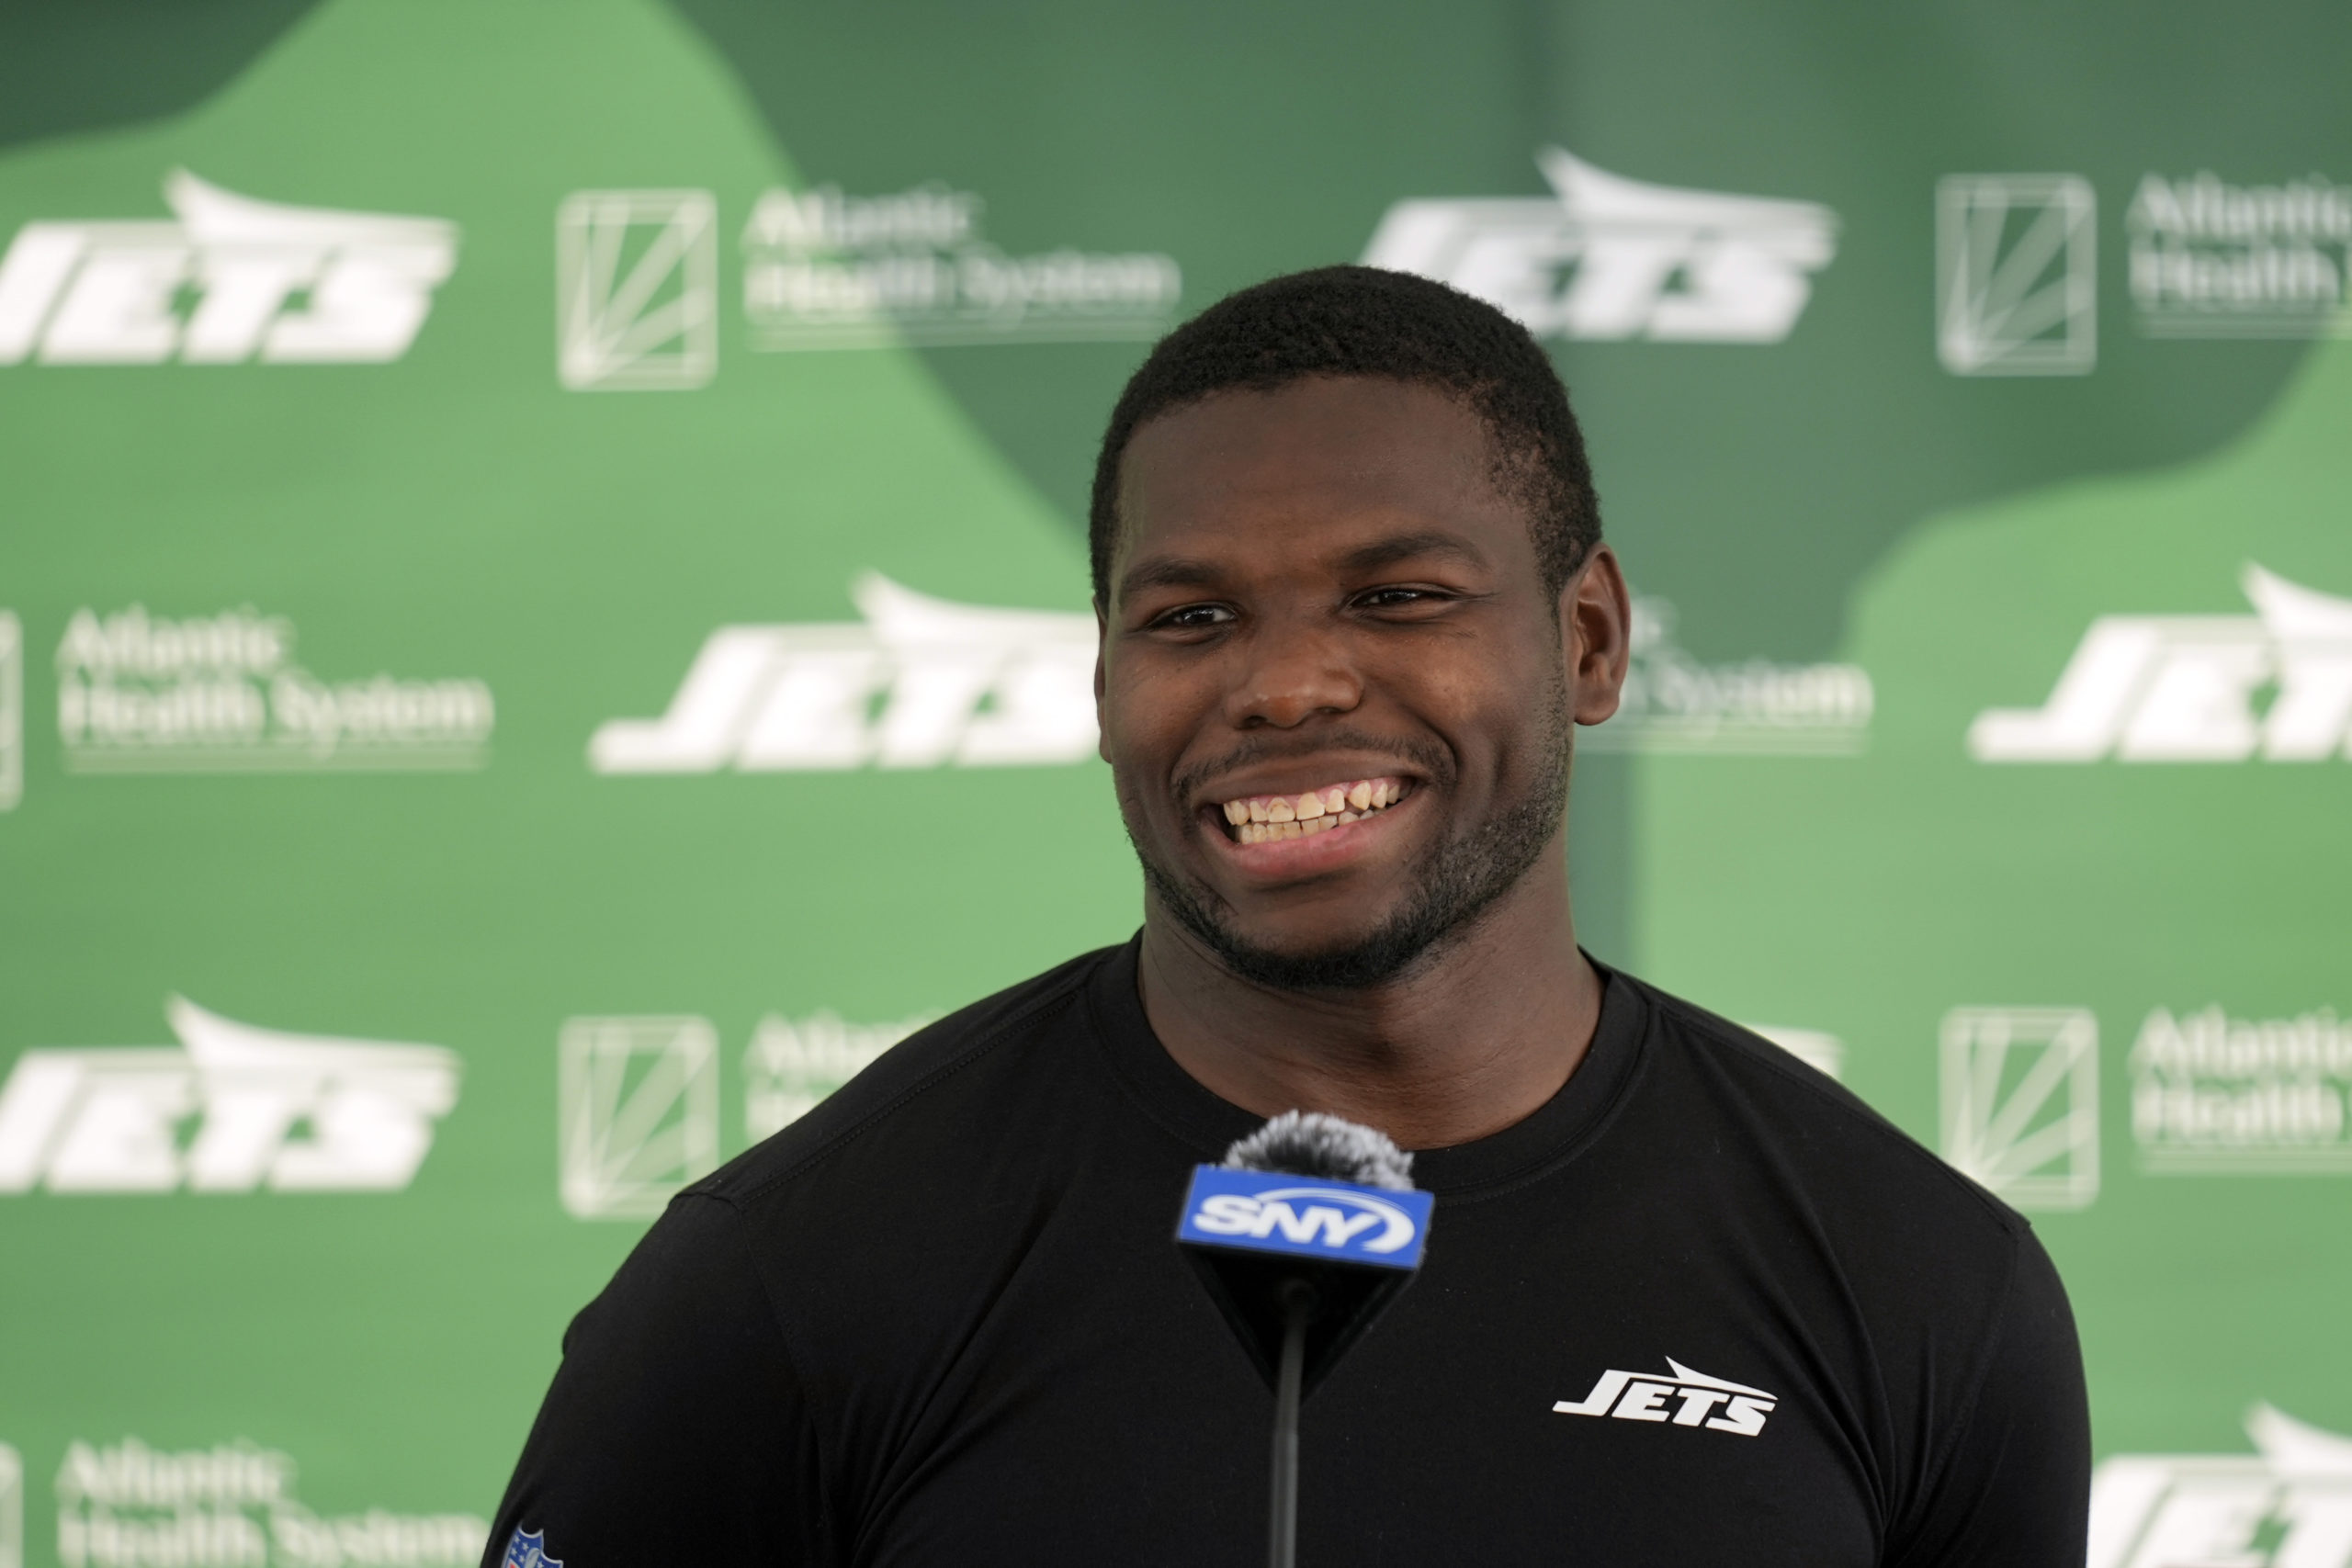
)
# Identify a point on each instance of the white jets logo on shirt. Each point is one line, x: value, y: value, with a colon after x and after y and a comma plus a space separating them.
x: 1715, y: 1403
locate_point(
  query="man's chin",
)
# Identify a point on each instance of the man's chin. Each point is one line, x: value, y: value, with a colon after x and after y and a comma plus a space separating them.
x: 1345, y: 957
x: 1371, y: 958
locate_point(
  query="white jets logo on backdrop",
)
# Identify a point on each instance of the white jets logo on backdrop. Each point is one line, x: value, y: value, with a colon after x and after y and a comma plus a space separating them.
x: 1615, y: 258
x: 2290, y: 1507
x: 918, y: 682
x: 287, y: 285
x: 2182, y: 688
x: 1682, y: 1398
x: 294, y: 1113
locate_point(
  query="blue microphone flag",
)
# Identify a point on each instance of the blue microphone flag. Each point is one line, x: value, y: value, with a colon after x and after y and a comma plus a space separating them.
x: 1288, y: 1216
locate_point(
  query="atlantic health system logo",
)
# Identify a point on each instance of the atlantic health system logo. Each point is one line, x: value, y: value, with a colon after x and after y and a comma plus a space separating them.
x: 637, y: 1098
x: 2019, y: 1102
x: 1607, y: 257
x: 2210, y: 259
x: 1757, y: 707
x: 826, y: 269
x: 2183, y: 688
x: 2017, y: 275
x: 637, y: 290
x: 126, y: 1503
x: 224, y: 692
x: 918, y: 682
x: 292, y: 1112
x: 2216, y: 1094
x: 281, y: 284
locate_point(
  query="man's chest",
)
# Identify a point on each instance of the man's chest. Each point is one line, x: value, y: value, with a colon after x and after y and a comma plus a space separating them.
x: 1532, y: 1413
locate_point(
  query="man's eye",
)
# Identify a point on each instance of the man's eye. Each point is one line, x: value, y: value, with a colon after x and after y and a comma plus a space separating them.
x: 1395, y: 598
x: 1194, y: 617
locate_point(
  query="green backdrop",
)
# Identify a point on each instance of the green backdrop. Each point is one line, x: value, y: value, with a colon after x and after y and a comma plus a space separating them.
x: 542, y: 623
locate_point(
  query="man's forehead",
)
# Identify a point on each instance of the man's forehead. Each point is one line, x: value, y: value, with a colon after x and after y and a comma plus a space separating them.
x: 1319, y: 429
x: 1337, y: 465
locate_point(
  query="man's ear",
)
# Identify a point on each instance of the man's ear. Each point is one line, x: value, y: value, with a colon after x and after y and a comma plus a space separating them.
x: 1596, y: 634
x: 1101, y: 644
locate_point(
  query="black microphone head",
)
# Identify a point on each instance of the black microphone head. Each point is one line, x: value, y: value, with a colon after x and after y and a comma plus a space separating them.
x: 1308, y: 1142
x: 1256, y: 1242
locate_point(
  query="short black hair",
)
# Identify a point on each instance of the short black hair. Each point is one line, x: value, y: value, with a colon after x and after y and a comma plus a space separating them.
x: 1362, y: 320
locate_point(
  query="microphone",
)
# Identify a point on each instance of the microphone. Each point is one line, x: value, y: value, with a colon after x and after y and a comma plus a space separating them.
x: 1303, y: 1236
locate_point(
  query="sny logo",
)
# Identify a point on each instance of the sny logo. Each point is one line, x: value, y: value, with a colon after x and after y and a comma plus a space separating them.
x: 1642, y: 1397
x: 2181, y: 688
x: 1271, y: 1212
x: 297, y: 1113
x: 920, y: 683
x: 1616, y: 258
x: 107, y: 293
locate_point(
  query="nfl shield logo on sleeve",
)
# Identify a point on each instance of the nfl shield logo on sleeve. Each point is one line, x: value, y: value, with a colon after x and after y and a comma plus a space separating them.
x: 530, y: 1551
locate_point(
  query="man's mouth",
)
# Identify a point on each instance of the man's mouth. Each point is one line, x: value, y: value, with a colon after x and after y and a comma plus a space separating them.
x: 1262, y: 819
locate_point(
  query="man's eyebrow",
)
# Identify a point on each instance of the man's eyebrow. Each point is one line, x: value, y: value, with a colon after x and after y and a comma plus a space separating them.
x: 1185, y: 571
x: 1410, y: 546
x: 1169, y: 571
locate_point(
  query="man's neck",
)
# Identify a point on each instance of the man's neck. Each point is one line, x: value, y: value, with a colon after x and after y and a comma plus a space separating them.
x: 1463, y: 1045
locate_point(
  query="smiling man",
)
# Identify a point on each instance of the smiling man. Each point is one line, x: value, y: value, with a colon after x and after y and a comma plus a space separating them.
x: 1687, y: 1303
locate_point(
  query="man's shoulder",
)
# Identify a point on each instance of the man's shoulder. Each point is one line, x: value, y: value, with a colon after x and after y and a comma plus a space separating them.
x: 1821, y: 1131
x: 934, y: 1087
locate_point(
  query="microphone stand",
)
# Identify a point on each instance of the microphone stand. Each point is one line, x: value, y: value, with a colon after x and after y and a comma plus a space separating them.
x: 1298, y: 1300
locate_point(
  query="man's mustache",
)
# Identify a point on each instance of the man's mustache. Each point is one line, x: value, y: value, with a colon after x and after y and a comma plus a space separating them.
x: 1433, y: 760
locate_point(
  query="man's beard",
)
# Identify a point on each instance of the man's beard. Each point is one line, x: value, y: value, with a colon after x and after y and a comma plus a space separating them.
x: 1455, y: 882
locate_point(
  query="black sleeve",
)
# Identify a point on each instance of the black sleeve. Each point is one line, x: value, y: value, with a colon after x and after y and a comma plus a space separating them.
x: 673, y: 1431
x: 2014, y: 1488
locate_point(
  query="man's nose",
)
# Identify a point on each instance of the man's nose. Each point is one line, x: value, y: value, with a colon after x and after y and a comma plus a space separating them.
x: 1289, y: 671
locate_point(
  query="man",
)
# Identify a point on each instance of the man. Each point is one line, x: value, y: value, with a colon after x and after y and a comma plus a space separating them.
x: 1686, y: 1301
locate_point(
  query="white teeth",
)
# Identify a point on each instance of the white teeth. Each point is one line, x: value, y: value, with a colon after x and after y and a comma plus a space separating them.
x: 1266, y: 817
